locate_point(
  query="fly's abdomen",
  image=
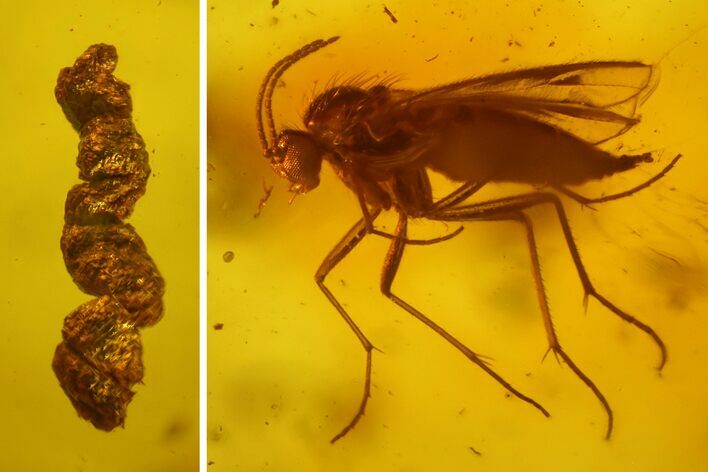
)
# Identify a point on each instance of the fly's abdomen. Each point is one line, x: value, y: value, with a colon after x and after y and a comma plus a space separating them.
x: 498, y: 146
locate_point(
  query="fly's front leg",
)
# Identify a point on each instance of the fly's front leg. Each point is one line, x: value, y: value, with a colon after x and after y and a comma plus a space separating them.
x: 335, y: 256
x: 553, y: 342
x: 359, y: 192
x: 368, y: 219
x: 390, y: 268
x: 521, y: 202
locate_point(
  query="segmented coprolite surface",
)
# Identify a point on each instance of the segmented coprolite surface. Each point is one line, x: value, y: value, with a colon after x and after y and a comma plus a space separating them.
x: 99, y: 359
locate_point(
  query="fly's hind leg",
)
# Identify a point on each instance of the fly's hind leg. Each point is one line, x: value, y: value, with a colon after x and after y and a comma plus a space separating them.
x: 335, y: 256
x: 522, y: 202
x: 553, y: 342
x: 391, y: 265
x: 500, y: 209
x: 458, y: 195
x: 615, y: 196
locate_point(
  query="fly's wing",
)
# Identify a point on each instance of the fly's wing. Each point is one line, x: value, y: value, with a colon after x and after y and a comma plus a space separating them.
x: 595, y: 101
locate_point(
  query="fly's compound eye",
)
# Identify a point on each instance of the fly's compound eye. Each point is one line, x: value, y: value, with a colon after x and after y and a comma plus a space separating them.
x: 299, y: 160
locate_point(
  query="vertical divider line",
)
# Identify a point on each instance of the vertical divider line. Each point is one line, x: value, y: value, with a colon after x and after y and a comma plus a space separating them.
x: 202, y: 236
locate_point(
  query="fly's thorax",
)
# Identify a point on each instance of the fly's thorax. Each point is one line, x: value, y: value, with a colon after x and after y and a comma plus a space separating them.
x: 298, y: 158
x: 332, y: 112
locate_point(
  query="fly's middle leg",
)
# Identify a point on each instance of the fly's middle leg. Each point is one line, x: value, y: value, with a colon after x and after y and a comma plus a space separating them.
x: 390, y: 269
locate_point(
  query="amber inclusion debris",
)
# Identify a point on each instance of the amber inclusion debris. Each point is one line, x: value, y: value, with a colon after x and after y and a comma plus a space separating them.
x: 390, y: 14
x: 99, y: 359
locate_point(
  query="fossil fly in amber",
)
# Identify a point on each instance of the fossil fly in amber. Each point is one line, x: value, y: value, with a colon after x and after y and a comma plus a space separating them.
x: 539, y: 126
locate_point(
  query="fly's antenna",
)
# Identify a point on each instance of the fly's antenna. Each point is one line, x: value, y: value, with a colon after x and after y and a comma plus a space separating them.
x: 265, y: 94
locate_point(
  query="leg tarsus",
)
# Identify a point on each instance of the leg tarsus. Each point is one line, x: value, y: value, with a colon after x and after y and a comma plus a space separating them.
x: 586, y: 380
x: 635, y: 322
x: 362, y: 404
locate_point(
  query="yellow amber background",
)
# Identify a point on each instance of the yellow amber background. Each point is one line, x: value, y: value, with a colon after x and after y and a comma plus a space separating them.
x: 158, y: 48
x: 285, y: 372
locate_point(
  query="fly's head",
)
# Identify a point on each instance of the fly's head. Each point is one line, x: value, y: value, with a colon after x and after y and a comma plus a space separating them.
x: 297, y: 157
x: 293, y: 154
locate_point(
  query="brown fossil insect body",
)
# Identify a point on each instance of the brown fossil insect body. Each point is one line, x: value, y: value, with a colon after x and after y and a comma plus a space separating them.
x: 538, y: 126
x: 99, y: 359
